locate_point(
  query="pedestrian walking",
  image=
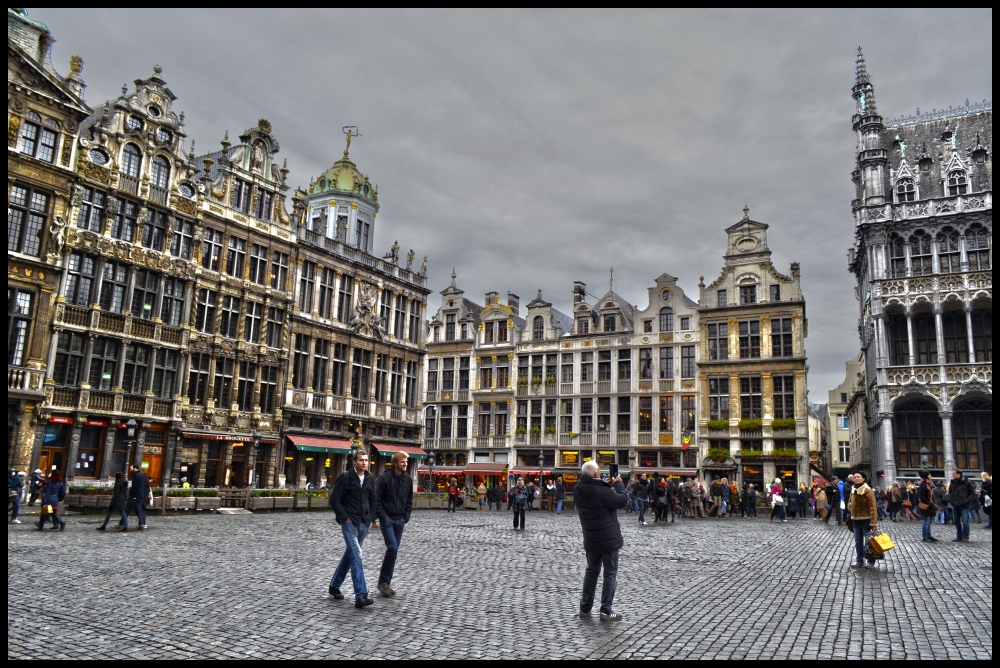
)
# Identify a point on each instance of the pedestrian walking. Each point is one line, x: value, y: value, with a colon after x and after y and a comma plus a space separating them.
x: 864, y: 517
x: 672, y: 493
x: 519, y: 501
x: 659, y: 496
x: 53, y: 493
x: 597, y: 503
x: 986, y: 498
x: 937, y: 509
x: 791, y: 503
x: 119, y: 504
x: 734, y: 498
x: 138, y: 494
x: 961, y: 492
x: 803, y: 500
x: 974, y: 508
x: 751, y: 501
x: 726, y: 506
x: 834, y: 499
x: 550, y: 487
x: 15, y: 487
x: 531, y: 495
x: 880, y: 503
x: 560, y: 495
x: 716, y: 492
x: 906, y: 505
x: 822, y: 505
x: 37, y: 485
x: 353, y: 503
x: 777, y: 501
x: 926, y: 504
x: 641, y: 493
x: 454, y: 495
x: 481, y: 493
x: 393, y: 505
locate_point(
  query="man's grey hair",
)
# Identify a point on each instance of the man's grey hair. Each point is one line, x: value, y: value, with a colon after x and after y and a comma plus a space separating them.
x: 590, y: 469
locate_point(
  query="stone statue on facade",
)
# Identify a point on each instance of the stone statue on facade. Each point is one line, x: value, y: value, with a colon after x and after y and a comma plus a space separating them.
x: 409, y: 260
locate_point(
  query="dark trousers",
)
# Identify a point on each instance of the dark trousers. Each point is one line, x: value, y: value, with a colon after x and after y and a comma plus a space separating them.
x: 452, y: 504
x: 860, y: 529
x: 642, y: 510
x: 15, y: 503
x: 139, y: 507
x: 595, y: 561
x: 834, y: 509
x: 962, y: 523
x: 124, y: 522
x: 392, y: 533
x: 56, y: 520
x: 519, y: 516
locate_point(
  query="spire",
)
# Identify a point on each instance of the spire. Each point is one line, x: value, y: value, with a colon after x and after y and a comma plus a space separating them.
x: 453, y: 277
x: 860, y: 71
x: 864, y: 91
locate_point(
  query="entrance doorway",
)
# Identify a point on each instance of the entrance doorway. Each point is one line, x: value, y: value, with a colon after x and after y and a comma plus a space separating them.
x: 152, y: 466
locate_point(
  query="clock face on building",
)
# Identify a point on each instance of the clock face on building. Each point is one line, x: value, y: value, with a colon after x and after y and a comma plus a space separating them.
x: 98, y: 157
x: 186, y: 190
x: 665, y: 296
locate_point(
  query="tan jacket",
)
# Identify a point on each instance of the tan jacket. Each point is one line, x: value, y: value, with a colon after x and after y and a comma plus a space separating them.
x: 862, y: 504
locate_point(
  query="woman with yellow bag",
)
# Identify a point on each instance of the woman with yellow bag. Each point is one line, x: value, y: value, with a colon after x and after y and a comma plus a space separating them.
x: 864, y: 516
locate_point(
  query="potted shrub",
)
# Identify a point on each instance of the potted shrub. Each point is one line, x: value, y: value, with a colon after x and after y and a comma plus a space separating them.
x: 260, y: 499
x: 536, y: 381
x: 717, y: 425
x: 536, y: 430
x: 550, y: 431
x: 521, y: 431
x: 550, y: 379
x: 319, y: 498
x: 206, y: 499
x: 785, y: 453
x: 301, y: 499
x: 751, y: 454
x: 180, y: 499
x: 522, y: 382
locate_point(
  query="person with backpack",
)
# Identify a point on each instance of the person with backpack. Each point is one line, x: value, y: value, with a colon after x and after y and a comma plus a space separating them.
x: 353, y: 502
x: 960, y: 493
x: 52, y: 494
x: 519, y: 502
x: 454, y: 495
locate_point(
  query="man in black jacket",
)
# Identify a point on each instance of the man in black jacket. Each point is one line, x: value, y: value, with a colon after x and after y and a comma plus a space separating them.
x: 833, y: 498
x: 641, y: 493
x: 138, y: 493
x: 960, y: 493
x: 598, y: 502
x: 393, y: 505
x: 351, y: 500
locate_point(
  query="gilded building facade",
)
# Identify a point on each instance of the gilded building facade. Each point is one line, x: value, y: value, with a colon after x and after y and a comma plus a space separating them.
x: 44, y: 113
x: 752, y: 370
x: 922, y: 258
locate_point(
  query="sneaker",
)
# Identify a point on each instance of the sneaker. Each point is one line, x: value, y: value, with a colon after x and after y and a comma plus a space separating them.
x: 857, y: 566
x: 335, y: 593
x: 383, y: 589
x: 363, y: 602
x: 16, y: 522
x: 610, y: 617
x: 965, y: 540
x: 932, y: 539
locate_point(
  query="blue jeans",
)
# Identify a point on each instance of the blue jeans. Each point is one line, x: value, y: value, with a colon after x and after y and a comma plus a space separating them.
x: 139, y: 506
x: 595, y: 561
x: 15, y: 503
x: 392, y: 533
x: 354, y: 536
x: 926, y: 530
x: 559, y: 507
x: 962, y: 523
x: 860, y: 529
x: 940, y: 516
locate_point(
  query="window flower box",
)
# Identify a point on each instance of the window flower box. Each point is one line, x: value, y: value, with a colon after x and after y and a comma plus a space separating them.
x: 180, y: 503
x: 283, y: 502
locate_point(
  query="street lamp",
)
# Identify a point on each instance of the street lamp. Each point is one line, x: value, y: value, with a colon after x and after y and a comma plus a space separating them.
x: 541, y: 483
x: 924, y: 456
x: 130, y: 432
x: 430, y: 465
x: 253, y: 465
x: 738, y: 457
x: 631, y: 465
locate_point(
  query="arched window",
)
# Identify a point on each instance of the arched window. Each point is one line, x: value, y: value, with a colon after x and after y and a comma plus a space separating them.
x: 982, y: 334
x: 160, y: 172
x: 956, y: 339
x: 920, y: 253
x: 538, y: 328
x: 919, y: 440
x: 958, y: 183
x: 905, y: 190
x: 972, y: 424
x: 131, y: 160
x: 666, y: 319
x: 897, y: 250
x: 949, y: 256
x: 977, y: 248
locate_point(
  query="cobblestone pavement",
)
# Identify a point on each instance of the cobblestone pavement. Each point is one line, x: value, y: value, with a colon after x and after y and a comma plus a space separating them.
x: 469, y: 587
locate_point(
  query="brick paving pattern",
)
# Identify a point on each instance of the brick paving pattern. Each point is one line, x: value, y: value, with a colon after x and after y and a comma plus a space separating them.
x: 469, y: 587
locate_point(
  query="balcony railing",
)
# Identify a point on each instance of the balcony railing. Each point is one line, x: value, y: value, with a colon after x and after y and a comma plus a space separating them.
x: 925, y: 209
x: 360, y: 407
x: 623, y: 438
x: 587, y: 388
x: 604, y: 438
x: 115, y: 323
x: 361, y: 257
x: 129, y: 184
x: 666, y: 385
x: 586, y: 439
x: 625, y: 385
x: 21, y: 379
x: 319, y: 401
x: 603, y: 386
x: 158, y: 195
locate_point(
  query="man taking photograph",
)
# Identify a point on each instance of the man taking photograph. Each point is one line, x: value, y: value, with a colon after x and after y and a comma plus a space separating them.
x: 598, y: 502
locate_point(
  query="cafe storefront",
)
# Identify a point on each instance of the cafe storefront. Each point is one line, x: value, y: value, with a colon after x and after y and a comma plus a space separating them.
x: 224, y: 459
x: 490, y: 474
x: 314, y: 460
x: 382, y: 461
x: 442, y: 478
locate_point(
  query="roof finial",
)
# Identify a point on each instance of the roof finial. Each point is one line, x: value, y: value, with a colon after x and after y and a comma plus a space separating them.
x: 453, y: 277
x: 350, y: 131
x: 225, y: 142
x: 746, y: 213
x: 860, y: 71
x: 611, y: 283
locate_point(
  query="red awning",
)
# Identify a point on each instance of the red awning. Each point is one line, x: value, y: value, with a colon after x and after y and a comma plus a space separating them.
x: 239, y: 438
x: 443, y: 470
x: 392, y: 448
x: 316, y: 444
x: 486, y: 468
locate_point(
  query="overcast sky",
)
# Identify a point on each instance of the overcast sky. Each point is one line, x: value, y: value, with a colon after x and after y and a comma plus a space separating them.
x: 531, y: 149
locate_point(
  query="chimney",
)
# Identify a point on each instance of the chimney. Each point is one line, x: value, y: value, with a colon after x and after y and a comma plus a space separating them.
x: 579, y: 292
x: 514, y: 302
x: 491, y: 298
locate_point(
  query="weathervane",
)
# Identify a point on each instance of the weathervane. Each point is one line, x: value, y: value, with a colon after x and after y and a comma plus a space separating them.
x: 350, y: 131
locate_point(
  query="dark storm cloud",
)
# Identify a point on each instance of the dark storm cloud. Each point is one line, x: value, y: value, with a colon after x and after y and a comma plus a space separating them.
x: 531, y: 149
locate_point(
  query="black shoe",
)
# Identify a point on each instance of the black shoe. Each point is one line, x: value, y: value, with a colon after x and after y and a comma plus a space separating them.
x: 335, y: 593
x: 62, y: 527
x: 932, y: 539
x: 363, y: 602
x: 102, y: 528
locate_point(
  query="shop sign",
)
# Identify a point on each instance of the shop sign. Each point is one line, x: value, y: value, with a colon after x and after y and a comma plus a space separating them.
x: 666, y: 439
x: 97, y: 423
x: 570, y: 478
x: 786, y: 473
x: 570, y: 458
x: 153, y: 449
x: 749, y: 470
x: 60, y: 419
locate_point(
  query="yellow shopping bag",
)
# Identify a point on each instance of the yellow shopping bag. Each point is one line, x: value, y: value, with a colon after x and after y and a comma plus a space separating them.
x: 881, y: 543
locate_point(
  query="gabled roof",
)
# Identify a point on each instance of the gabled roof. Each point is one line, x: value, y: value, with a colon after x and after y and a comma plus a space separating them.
x: 61, y: 91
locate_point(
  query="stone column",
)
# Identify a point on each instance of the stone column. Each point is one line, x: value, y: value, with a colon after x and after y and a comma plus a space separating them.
x: 140, y: 443
x: 734, y: 339
x: 74, y: 447
x: 317, y: 282
x: 968, y: 333
x: 158, y: 302
x: 127, y: 302
x: 98, y: 281
x: 939, y: 337
x: 188, y: 303
x: 169, y: 451
x: 888, y: 451
x: 109, y: 449
x: 203, y: 466
x: 949, y: 443
x: 43, y: 315
x: 909, y: 334
x: 296, y: 283
x: 765, y: 336
x: 88, y: 353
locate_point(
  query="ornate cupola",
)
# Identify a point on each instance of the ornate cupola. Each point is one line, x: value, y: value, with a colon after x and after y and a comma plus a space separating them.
x: 341, y: 203
x: 872, y: 158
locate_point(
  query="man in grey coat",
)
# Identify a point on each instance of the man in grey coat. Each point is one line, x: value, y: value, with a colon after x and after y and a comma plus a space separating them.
x: 598, y: 502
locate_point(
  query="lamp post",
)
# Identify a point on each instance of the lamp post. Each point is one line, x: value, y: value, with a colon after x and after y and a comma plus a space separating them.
x: 541, y: 483
x: 631, y: 465
x: 430, y: 482
x: 253, y: 465
x: 739, y: 471
x: 130, y: 432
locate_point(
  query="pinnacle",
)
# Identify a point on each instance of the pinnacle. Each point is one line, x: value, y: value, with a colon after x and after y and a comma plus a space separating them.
x: 860, y: 71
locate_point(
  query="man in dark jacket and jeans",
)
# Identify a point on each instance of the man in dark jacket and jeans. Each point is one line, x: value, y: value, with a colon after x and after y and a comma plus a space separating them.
x: 137, y: 495
x: 351, y: 500
x: 598, y: 502
x: 961, y: 492
x: 393, y: 505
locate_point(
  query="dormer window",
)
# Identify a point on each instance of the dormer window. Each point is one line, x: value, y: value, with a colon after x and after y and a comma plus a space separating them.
x: 538, y: 328
x: 958, y: 183
x: 775, y: 293
x: 134, y: 123
x: 583, y: 325
x: 905, y: 190
x: 609, y: 323
x: 437, y: 334
x: 449, y: 327
x: 748, y: 294
x: 465, y: 331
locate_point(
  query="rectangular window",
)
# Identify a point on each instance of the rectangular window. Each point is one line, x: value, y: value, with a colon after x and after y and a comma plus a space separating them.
x: 224, y: 382
x: 647, y: 326
x: 26, y: 220
x: 775, y: 293
x: 688, y: 414
x: 781, y: 337
x: 604, y: 414
x: 567, y: 368
x: 264, y: 201
x: 609, y: 323
x: 925, y: 337
x: 784, y: 396
x: 449, y: 327
x: 844, y: 448
x: 361, y: 374
x: 344, y: 298
x: 211, y: 249
x: 275, y: 323
x: 503, y: 373
x: 327, y: 293
x: 396, y: 381
x: 381, y: 376
x: 268, y: 388
x: 236, y: 256
x: 144, y: 293
x: 180, y: 240
x: 411, y: 383
x: 172, y: 304
x: 103, y: 363
x: 258, y: 264
x: 399, y: 322
x: 687, y: 362
x: 586, y: 415
x: 137, y: 360
x: 625, y: 364
x: 19, y: 314
x: 205, y: 314
x: 843, y: 422
x: 198, y: 378
x: 666, y: 363
x: 165, y: 373
x: 463, y: 373
x: 432, y: 375
x: 339, y: 368
x: 38, y: 142
x: 645, y: 414
x: 241, y: 195
x: 300, y: 362
x: 486, y: 374
x: 666, y: 415
x: 462, y: 424
x: 123, y: 226
x: 279, y: 270
x: 583, y: 325
x: 230, y: 321
x: 80, y: 279
x: 252, y: 322
x: 247, y: 385
x: 91, y: 210
x: 718, y: 341
x: 721, y: 298
x: 414, y: 334
x: 307, y: 280
x: 604, y: 365
x: 320, y: 362
x: 685, y: 323
x: 154, y: 232
x: 385, y: 309
x: 447, y: 417
x: 113, y: 287
x: 364, y: 229
x: 718, y: 398
x: 750, y: 398
x: 748, y: 294
x: 70, y: 347
x: 749, y: 339
x: 586, y: 367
